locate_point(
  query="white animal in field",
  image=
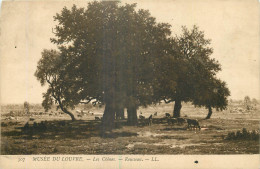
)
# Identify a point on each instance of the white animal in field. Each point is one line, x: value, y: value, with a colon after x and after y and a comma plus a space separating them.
x: 97, y: 114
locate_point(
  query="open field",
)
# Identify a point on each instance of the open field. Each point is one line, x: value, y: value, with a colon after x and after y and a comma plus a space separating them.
x: 83, y: 137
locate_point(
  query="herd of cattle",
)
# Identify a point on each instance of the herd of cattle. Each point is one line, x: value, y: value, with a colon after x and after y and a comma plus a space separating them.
x: 192, y: 123
x: 142, y: 120
x: 31, y: 125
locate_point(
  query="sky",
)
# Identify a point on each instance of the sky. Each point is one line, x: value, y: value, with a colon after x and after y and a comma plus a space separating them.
x: 232, y: 25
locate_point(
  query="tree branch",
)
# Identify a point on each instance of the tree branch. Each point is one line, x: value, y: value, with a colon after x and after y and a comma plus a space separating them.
x: 169, y: 101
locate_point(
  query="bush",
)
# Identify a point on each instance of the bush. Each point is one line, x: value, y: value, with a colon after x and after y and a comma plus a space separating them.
x: 243, y: 135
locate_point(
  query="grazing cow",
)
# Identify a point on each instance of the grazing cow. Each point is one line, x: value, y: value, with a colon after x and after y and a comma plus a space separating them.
x: 172, y: 121
x: 31, y: 119
x: 155, y: 114
x: 97, y: 118
x: 146, y: 121
x: 162, y: 120
x: 181, y: 120
x: 79, y: 116
x: 141, y: 117
x: 193, y: 124
x: 167, y: 115
x: 143, y: 120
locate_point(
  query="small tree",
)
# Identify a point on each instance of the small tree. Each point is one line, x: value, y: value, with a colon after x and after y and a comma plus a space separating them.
x: 49, y: 70
x: 254, y: 101
x: 213, y: 94
x: 26, y: 107
x: 247, y: 102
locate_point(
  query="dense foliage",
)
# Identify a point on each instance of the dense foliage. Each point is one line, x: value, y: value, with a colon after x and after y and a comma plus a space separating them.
x: 115, y: 55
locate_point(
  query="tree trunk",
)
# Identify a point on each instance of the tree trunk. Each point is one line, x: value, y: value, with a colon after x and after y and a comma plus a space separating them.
x: 69, y: 113
x: 120, y: 114
x: 60, y: 104
x: 108, y: 118
x: 210, y: 113
x: 66, y: 111
x: 131, y: 116
x: 177, y: 108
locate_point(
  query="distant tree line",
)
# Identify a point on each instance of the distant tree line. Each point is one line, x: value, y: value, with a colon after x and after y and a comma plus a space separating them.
x: 114, y: 55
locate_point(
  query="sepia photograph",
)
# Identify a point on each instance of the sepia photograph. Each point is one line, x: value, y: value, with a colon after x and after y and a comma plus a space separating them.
x: 135, y: 78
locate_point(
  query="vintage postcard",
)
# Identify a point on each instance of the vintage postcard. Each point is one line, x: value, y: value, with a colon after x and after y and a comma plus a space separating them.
x: 130, y: 84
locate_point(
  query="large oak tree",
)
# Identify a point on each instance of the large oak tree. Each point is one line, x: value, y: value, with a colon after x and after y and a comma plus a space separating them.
x: 108, y: 53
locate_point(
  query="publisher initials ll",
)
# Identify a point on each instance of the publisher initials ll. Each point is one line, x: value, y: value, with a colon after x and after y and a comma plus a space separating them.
x: 154, y: 159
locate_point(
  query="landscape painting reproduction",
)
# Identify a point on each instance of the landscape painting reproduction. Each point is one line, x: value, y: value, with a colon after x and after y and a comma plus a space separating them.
x: 140, y: 77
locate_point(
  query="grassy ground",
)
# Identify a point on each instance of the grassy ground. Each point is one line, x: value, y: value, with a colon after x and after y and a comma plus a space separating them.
x: 83, y: 137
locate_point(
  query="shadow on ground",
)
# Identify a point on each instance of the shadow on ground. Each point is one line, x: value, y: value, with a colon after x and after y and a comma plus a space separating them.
x: 75, y: 130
